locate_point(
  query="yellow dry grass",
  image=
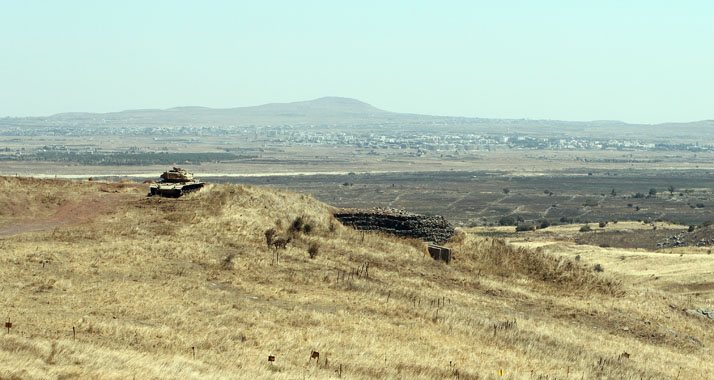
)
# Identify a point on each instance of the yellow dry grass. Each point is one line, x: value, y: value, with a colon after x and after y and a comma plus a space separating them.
x: 188, y: 289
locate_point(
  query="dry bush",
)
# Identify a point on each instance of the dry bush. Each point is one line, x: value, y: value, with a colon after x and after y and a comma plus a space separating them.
x: 313, y: 250
x: 496, y: 257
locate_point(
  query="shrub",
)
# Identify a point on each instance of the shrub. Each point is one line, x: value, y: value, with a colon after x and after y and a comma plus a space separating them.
x: 691, y: 228
x: 544, y: 224
x: 602, y: 224
x: 507, y: 221
x: 590, y: 203
x: 313, y: 250
x: 506, y: 190
x: 297, y: 224
x: 227, y: 261
x: 525, y: 227
x: 707, y: 223
x: 653, y: 191
x: 700, y: 205
x: 585, y: 228
x: 307, y: 228
x: 598, y: 268
x: 270, y: 236
x: 638, y: 195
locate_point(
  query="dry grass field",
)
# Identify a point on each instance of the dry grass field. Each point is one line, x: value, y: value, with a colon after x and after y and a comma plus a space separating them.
x: 101, y: 282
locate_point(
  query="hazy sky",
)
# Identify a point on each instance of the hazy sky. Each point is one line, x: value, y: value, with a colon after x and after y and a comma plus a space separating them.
x: 636, y: 61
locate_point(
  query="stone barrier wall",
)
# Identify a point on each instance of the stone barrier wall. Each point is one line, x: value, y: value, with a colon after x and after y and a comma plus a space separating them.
x: 398, y: 222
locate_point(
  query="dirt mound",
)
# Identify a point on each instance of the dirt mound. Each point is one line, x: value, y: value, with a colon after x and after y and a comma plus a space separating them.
x: 45, y: 203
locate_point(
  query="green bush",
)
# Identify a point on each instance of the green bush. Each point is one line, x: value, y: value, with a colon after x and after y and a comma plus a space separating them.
x: 525, y: 227
x: 507, y: 221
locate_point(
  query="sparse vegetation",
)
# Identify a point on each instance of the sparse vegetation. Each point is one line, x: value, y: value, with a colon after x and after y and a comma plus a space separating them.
x: 591, y: 203
x: 162, y: 308
x: 585, y: 228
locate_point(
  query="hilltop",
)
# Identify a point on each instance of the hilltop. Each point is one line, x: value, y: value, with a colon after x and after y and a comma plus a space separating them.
x: 103, y: 282
x: 321, y: 110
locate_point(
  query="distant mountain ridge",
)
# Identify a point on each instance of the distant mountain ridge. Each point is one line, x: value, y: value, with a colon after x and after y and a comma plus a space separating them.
x: 318, y: 110
x: 341, y: 112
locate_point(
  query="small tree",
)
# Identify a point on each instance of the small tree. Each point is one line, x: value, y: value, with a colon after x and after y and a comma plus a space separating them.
x: 653, y: 191
x: 671, y: 189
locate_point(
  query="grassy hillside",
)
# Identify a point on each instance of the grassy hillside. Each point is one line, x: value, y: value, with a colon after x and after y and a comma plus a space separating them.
x: 188, y: 288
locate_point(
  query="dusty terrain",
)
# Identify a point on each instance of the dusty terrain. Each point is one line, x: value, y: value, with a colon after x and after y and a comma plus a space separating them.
x: 125, y: 286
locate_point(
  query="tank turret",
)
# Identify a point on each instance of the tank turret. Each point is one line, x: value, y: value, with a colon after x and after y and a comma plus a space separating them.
x: 175, y: 183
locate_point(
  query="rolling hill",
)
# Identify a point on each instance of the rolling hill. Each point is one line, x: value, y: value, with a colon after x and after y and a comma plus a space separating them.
x: 101, y: 282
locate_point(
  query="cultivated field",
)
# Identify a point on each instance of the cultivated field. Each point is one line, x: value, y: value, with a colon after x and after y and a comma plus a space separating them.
x: 102, y: 282
x: 478, y: 198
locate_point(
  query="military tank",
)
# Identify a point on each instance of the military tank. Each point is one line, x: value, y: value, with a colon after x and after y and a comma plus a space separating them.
x: 175, y: 183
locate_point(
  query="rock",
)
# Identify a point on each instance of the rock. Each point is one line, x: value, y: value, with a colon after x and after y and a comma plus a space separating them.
x: 695, y: 341
x: 702, y: 313
x: 398, y: 222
